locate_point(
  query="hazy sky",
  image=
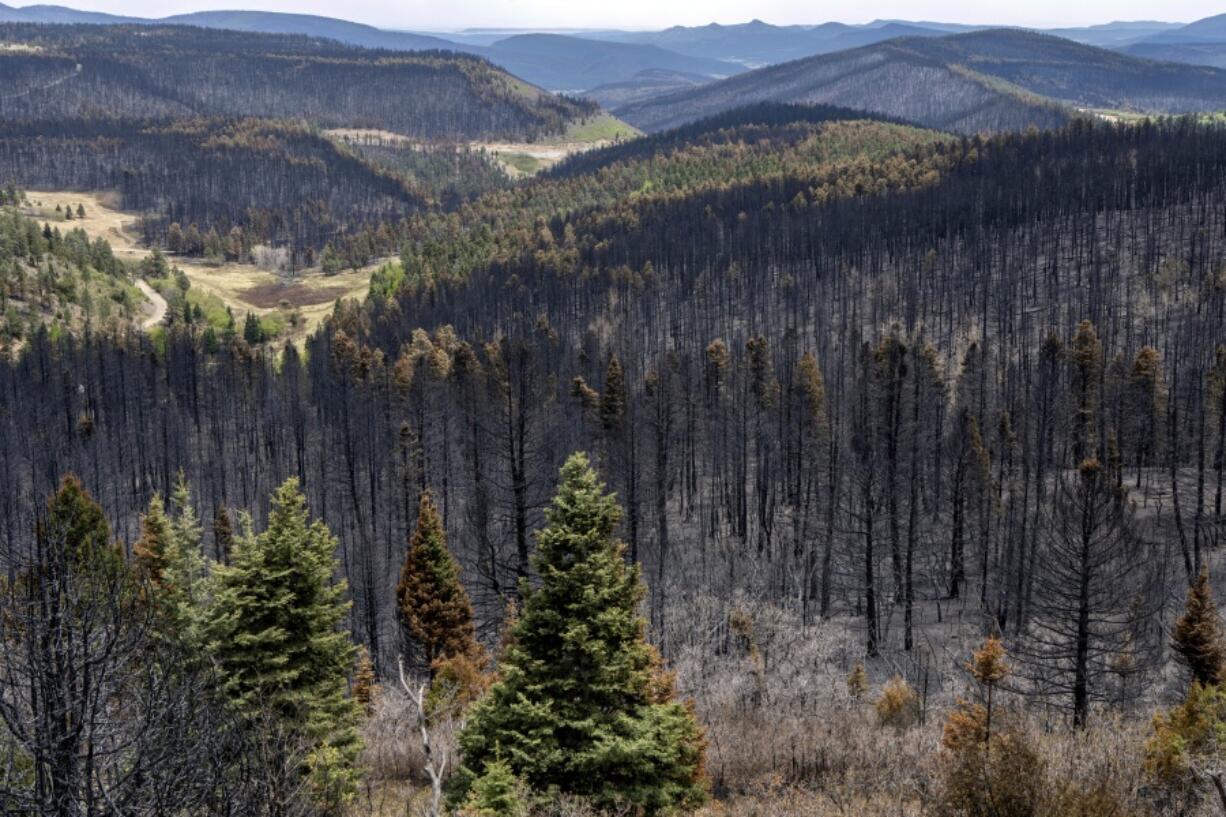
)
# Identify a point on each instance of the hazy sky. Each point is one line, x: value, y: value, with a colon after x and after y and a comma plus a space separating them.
x: 647, y: 14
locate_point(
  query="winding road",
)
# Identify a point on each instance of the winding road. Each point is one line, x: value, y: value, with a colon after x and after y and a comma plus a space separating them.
x: 159, y: 305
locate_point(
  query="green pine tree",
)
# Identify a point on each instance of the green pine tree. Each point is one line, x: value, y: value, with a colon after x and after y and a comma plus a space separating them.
x: 496, y: 793
x: 582, y: 705
x: 275, y: 631
x: 76, y: 522
x: 185, y: 570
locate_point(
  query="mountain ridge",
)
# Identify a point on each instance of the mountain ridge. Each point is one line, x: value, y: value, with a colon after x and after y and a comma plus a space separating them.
x: 993, y: 80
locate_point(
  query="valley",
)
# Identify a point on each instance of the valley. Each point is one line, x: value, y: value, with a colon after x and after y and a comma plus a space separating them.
x: 591, y: 413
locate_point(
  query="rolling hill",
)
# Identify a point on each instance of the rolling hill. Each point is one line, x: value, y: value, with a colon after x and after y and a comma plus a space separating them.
x: 756, y: 43
x: 265, y: 22
x: 555, y: 62
x: 1208, y: 30
x: 645, y: 85
x: 164, y: 72
x: 1200, y: 43
x: 1211, y: 54
x: 60, y: 15
x: 566, y: 63
x: 1000, y: 79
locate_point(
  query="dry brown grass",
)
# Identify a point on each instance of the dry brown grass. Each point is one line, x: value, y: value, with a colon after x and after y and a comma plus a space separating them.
x: 242, y: 287
x: 787, y: 739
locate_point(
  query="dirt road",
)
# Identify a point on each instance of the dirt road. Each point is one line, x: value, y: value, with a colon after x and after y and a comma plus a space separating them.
x: 159, y: 305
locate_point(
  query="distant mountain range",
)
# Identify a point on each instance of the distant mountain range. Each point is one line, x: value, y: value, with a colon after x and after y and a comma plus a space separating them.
x: 985, y: 80
x: 757, y: 43
x: 623, y: 66
x: 575, y: 65
x: 554, y: 62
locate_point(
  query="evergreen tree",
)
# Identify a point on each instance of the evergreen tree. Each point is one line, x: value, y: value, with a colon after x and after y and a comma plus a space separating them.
x: 434, y: 608
x: 582, y: 705
x: 496, y: 793
x: 184, y: 572
x: 275, y: 632
x: 149, y: 551
x: 253, y: 330
x: 613, y: 402
x: 1197, y: 636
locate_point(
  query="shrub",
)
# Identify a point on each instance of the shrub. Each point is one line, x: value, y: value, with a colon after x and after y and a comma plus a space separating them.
x: 1188, y: 742
x: 857, y: 683
x: 982, y: 775
x: 898, y: 705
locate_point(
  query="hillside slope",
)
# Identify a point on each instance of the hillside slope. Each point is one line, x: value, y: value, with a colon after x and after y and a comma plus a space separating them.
x: 1199, y: 43
x: 756, y: 43
x: 59, y: 15
x: 989, y: 80
x: 1211, y: 54
x: 264, y: 22
x: 555, y: 62
x: 572, y: 64
x: 161, y: 72
x: 1208, y: 30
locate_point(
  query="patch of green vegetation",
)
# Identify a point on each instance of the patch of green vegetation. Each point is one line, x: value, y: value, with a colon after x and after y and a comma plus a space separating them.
x: 603, y: 127
x: 57, y: 278
x: 272, y: 324
x: 525, y: 89
x: 212, y: 309
x: 522, y: 162
x: 386, y: 280
x: 872, y: 140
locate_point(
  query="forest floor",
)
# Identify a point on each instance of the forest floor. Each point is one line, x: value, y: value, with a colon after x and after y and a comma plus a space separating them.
x: 242, y: 288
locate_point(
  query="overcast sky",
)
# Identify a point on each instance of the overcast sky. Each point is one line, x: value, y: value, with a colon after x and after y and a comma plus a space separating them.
x: 443, y: 15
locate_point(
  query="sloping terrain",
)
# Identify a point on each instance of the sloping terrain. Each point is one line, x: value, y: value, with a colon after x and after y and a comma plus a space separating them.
x: 555, y: 62
x: 176, y: 71
x: 992, y: 80
x: 645, y: 85
x: 1200, y: 43
x: 1208, y: 30
x: 1114, y: 35
x: 756, y: 43
x: 280, y: 184
x: 1211, y: 54
x: 892, y: 78
x: 264, y: 22
x: 1080, y: 74
x: 59, y: 14
x: 574, y: 64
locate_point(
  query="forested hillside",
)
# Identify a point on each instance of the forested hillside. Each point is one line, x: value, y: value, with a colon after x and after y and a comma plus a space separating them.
x: 274, y: 182
x: 164, y: 72
x: 798, y: 460
x: 54, y: 277
x: 989, y: 80
x: 838, y: 152
x: 855, y: 387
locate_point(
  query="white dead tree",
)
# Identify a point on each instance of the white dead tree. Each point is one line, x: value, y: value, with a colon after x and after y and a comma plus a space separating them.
x: 436, y: 751
x: 272, y: 259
